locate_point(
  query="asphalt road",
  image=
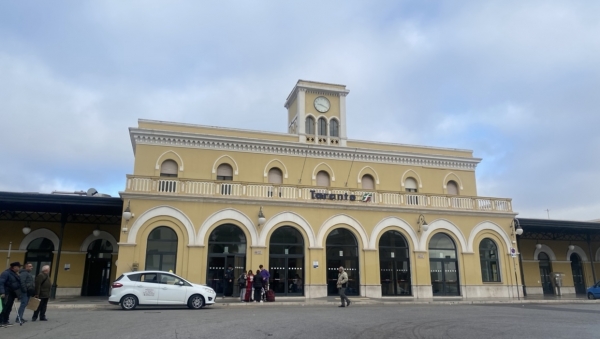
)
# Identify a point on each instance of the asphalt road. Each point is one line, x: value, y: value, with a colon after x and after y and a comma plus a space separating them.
x: 259, y: 321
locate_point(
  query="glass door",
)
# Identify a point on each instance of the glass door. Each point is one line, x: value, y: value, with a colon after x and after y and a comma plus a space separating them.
x: 577, y: 271
x: 217, y: 265
x: 286, y: 276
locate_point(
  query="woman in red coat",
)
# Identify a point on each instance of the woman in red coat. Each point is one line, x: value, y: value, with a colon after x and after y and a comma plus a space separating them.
x: 249, y: 280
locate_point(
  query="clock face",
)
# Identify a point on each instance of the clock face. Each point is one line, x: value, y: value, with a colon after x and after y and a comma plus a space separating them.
x: 322, y: 104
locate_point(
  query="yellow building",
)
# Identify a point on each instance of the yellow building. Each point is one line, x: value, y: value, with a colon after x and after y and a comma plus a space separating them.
x: 403, y: 220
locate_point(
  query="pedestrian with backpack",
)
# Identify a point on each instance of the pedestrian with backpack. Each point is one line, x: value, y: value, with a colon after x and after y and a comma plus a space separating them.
x: 242, y: 285
x: 264, y: 274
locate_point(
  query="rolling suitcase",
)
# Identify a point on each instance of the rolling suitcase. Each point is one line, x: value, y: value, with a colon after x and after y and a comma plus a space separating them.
x: 270, y: 296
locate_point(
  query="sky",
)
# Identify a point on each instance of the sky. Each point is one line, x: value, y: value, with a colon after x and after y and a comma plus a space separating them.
x: 517, y: 82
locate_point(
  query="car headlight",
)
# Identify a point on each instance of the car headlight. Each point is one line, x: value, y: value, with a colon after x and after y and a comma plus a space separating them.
x: 208, y: 289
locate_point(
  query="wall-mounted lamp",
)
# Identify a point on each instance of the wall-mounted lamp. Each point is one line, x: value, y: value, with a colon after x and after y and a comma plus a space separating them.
x: 261, y: 217
x: 96, y: 232
x: 422, y: 224
x: 127, y: 215
x: 571, y: 247
x: 538, y: 246
x: 26, y: 228
x: 515, y: 227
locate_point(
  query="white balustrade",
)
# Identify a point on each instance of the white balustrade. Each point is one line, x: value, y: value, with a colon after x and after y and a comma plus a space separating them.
x: 207, y: 188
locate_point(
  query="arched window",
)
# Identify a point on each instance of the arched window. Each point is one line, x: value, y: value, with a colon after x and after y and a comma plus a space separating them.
x: 224, y: 172
x: 323, y: 179
x: 488, y: 257
x: 367, y: 182
x: 334, y: 128
x: 322, y: 127
x: 452, y: 187
x: 545, y: 269
x: 410, y: 185
x: 39, y: 253
x: 226, y: 247
x: 161, y: 252
x: 443, y: 265
x: 310, y: 126
x: 577, y: 271
x: 275, y: 176
x: 168, y: 169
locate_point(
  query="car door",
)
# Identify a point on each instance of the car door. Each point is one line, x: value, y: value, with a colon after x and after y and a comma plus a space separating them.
x: 596, y: 290
x: 147, y: 288
x: 172, y: 290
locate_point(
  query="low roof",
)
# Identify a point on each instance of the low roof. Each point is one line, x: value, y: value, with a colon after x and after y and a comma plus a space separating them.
x: 559, y: 226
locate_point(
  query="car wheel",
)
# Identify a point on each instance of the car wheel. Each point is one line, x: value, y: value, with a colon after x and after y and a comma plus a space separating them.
x: 129, y: 302
x: 196, y: 302
x: 591, y: 296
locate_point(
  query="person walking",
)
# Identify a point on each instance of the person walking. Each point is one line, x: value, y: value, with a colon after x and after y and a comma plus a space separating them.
x: 249, y: 289
x: 258, y: 285
x: 342, y: 283
x: 43, y: 287
x: 10, y: 289
x: 264, y: 274
x: 242, y: 283
x: 27, y: 280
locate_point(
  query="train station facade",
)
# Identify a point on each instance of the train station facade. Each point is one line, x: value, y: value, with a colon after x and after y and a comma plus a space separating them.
x: 404, y: 220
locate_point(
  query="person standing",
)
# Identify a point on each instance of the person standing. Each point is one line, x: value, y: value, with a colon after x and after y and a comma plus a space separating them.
x: 10, y: 289
x: 342, y: 283
x: 249, y: 290
x: 264, y: 274
x: 28, y: 283
x: 258, y: 285
x: 229, y: 277
x: 242, y: 283
x: 43, y: 287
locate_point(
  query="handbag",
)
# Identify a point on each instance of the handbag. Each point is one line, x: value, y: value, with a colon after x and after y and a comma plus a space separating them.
x: 33, y: 304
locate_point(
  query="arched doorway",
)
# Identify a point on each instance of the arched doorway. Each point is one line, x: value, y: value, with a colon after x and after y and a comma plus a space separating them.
x: 39, y: 253
x: 394, y: 264
x: 443, y: 265
x: 226, y: 246
x: 286, y: 261
x: 96, y: 280
x: 342, y: 250
x: 577, y: 270
x: 545, y: 269
x: 161, y: 252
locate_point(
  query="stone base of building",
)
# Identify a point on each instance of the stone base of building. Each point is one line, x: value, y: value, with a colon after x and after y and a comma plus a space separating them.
x: 491, y: 291
x: 566, y: 291
x: 422, y: 291
x: 315, y: 291
x: 68, y: 291
x: 370, y: 291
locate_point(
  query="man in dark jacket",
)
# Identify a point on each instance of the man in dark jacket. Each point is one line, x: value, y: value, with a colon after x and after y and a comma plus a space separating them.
x: 43, y: 288
x: 229, y: 277
x: 10, y: 289
x: 29, y: 285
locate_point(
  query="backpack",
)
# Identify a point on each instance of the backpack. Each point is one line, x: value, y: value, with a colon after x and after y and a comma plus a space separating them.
x: 242, y: 281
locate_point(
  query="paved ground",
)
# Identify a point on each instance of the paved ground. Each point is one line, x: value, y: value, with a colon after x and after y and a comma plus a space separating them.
x: 321, y: 321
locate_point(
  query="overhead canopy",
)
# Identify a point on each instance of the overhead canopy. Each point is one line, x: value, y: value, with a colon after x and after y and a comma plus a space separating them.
x: 548, y: 229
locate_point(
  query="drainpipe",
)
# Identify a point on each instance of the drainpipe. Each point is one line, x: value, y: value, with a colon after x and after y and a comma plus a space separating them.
x: 63, y: 223
x: 589, y: 241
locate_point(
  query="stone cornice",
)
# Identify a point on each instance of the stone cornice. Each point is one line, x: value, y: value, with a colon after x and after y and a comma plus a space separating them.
x: 251, y: 145
x: 321, y: 204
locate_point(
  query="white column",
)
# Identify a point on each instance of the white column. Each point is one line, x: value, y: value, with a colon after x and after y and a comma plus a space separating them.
x: 301, y: 114
x: 342, y: 126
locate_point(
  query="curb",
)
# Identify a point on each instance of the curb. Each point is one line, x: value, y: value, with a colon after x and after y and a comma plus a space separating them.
x: 355, y: 303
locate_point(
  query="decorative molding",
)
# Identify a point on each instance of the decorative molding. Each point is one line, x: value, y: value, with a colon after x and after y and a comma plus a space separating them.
x: 267, y: 168
x: 393, y: 223
x: 579, y: 252
x: 160, y: 211
x: 217, y: 163
x: 444, y: 226
x: 360, y: 175
x: 456, y: 176
x: 39, y: 233
x: 419, y: 181
x: 239, y: 144
x: 342, y: 219
x: 488, y: 225
x: 546, y: 250
x: 314, y: 174
x: 159, y: 162
x: 227, y: 214
x: 294, y: 219
x: 103, y: 236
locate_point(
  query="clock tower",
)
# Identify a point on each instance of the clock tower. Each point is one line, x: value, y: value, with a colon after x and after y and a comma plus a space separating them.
x: 317, y: 113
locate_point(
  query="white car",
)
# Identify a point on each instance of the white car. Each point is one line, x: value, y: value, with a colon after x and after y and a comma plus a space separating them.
x: 155, y: 288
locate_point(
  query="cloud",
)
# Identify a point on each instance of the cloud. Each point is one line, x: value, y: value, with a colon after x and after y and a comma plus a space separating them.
x: 513, y: 81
